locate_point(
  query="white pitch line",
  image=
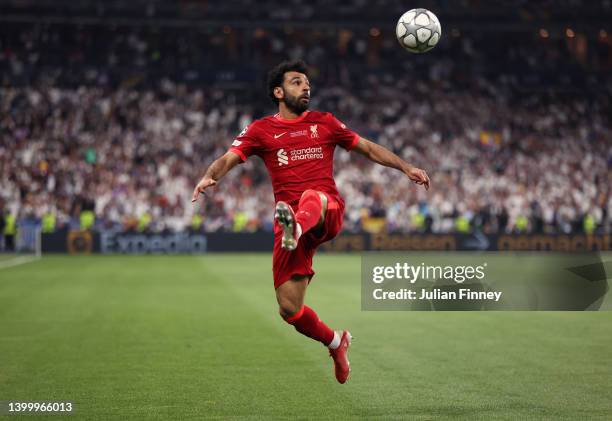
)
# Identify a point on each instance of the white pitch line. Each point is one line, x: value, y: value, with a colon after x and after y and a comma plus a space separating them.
x: 18, y: 261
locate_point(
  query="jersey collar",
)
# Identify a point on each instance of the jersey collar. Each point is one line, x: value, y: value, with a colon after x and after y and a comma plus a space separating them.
x: 293, y: 120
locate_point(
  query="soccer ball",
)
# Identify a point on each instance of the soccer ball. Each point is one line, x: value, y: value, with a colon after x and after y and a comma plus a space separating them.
x: 418, y: 30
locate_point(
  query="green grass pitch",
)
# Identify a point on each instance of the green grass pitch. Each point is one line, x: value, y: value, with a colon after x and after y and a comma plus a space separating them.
x: 199, y: 337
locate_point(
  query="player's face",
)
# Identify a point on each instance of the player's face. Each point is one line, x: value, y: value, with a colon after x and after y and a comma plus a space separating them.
x: 296, y: 88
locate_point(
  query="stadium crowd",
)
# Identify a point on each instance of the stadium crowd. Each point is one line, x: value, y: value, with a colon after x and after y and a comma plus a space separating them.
x: 522, y: 144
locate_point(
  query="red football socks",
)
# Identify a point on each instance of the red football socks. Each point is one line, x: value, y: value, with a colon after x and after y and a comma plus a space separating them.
x: 309, y: 210
x: 308, y: 323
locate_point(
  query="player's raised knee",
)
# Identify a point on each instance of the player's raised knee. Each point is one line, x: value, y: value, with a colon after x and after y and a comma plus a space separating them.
x: 310, y: 193
x: 310, y: 196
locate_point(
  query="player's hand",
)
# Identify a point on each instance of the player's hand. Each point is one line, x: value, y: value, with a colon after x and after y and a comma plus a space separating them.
x: 204, y: 183
x: 419, y: 176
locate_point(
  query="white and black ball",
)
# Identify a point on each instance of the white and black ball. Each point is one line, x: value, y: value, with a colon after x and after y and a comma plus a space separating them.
x: 418, y: 30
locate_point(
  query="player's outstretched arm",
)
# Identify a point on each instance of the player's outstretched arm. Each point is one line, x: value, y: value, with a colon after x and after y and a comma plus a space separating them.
x: 215, y: 171
x: 384, y: 156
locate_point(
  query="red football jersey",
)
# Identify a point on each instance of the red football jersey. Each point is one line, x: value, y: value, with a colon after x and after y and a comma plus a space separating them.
x: 298, y: 153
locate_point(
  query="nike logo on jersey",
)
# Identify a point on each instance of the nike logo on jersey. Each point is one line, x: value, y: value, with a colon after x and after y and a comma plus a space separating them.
x: 276, y: 136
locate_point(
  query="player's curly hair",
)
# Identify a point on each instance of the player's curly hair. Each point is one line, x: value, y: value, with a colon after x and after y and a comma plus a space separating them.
x: 276, y: 76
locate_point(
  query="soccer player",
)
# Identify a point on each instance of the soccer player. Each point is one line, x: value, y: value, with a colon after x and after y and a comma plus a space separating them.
x: 297, y: 147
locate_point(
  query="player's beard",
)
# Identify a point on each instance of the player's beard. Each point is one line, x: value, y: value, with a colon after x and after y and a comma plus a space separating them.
x: 295, y: 104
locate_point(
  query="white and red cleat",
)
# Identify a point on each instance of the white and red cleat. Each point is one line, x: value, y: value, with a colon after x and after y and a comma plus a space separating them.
x: 286, y: 219
x: 342, y: 367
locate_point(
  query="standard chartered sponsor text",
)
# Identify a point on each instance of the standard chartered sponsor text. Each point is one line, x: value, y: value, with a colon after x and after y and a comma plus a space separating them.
x: 313, y: 152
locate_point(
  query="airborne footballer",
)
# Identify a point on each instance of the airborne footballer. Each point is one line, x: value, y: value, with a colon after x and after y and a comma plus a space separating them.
x: 297, y: 147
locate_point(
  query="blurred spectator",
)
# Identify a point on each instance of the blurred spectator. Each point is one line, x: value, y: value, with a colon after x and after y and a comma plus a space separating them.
x: 96, y: 130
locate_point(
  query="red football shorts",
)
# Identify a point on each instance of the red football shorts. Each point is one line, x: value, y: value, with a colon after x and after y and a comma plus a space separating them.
x: 286, y: 264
